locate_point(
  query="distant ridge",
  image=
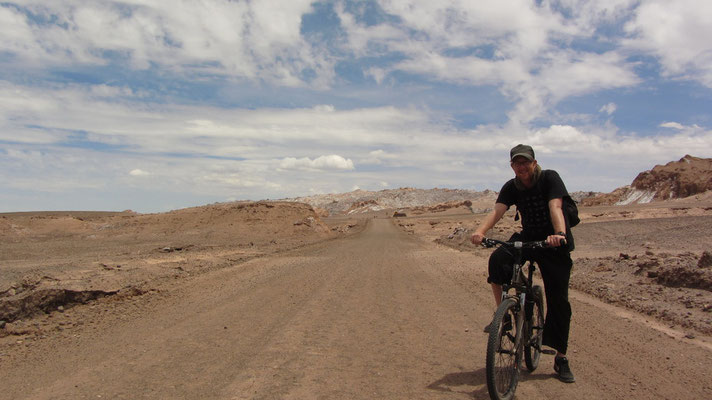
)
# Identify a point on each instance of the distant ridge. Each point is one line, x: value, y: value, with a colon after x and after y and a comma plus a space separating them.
x: 360, y: 201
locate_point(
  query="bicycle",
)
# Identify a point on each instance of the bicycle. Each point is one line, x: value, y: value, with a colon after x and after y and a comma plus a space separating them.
x: 523, y: 334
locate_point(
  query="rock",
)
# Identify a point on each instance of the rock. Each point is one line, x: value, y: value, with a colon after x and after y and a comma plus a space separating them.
x: 705, y: 260
x: 602, y: 268
x: 645, y: 265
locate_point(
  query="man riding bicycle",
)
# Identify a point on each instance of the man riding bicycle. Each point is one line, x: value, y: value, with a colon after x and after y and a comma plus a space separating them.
x: 538, y: 195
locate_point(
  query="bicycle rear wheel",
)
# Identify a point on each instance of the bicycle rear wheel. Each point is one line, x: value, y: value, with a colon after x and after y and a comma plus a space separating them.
x: 503, y: 359
x: 534, y: 325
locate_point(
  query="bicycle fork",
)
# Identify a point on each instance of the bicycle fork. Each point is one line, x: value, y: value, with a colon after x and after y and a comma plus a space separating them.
x: 520, y: 322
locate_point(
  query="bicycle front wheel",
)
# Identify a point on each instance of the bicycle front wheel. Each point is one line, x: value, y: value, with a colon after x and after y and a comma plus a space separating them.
x: 503, y: 357
x: 534, y: 325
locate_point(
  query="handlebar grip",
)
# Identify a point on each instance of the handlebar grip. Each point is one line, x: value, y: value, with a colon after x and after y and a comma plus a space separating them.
x: 486, y: 242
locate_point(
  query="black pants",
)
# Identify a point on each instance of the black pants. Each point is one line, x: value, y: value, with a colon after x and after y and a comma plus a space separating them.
x: 555, y: 268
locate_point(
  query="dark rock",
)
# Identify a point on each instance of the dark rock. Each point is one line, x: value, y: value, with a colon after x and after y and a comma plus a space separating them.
x: 705, y: 260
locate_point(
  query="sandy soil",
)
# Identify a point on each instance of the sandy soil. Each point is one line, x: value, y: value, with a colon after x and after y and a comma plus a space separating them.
x: 384, y: 308
x: 56, y: 260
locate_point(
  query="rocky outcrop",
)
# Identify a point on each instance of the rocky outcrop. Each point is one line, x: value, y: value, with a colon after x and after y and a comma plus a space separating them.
x: 678, y: 179
x: 364, y: 206
x: 467, y: 204
x: 686, y: 177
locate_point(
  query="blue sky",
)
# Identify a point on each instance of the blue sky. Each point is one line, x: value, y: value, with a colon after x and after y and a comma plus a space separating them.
x: 158, y: 105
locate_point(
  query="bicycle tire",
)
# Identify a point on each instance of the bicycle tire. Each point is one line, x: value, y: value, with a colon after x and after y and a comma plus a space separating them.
x: 534, y: 326
x: 503, y: 358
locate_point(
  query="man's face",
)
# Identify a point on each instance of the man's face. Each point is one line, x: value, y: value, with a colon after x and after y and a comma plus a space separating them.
x: 523, y: 168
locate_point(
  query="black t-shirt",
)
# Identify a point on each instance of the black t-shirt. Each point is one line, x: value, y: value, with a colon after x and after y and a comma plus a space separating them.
x: 533, y: 204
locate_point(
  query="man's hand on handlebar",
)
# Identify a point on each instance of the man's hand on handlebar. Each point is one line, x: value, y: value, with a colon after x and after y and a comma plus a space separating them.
x: 555, y: 240
x: 477, y: 238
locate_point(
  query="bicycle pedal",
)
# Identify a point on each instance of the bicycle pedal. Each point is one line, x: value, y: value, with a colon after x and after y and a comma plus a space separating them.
x: 549, y: 352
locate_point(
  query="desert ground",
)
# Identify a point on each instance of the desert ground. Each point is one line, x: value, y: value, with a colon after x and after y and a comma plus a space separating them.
x: 269, y: 300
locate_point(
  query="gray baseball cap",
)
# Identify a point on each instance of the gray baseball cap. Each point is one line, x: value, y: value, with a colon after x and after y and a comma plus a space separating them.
x: 521, y: 150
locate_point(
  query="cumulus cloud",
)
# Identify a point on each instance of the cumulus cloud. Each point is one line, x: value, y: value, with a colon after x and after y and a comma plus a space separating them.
x: 330, y: 162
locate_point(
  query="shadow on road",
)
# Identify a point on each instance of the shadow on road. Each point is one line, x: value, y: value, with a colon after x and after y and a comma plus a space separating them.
x: 462, y: 382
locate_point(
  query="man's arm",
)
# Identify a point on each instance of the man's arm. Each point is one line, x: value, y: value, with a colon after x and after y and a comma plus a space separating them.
x: 489, y: 222
x: 557, y: 221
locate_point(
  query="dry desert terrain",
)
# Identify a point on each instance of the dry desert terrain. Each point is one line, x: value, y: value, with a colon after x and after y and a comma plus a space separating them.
x: 269, y: 300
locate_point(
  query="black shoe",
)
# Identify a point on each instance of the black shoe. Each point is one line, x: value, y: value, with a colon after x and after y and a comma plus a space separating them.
x: 506, y: 324
x: 563, y: 371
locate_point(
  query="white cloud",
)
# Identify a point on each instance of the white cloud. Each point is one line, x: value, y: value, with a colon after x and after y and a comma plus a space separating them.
x: 16, y: 33
x: 672, y: 125
x: 139, y: 172
x: 587, y: 15
x: 254, y: 148
x: 609, y: 108
x: 571, y: 142
x: 256, y: 40
x: 330, y: 162
x: 575, y: 73
x: 566, y: 74
x: 232, y: 180
x: 515, y: 48
x: 378, y: 157
x: 464, y: 23
x: 52, y: 115
x: 678, y: 34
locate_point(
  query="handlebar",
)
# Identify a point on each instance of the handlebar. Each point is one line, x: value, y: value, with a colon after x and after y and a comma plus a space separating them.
x: 487, y: 242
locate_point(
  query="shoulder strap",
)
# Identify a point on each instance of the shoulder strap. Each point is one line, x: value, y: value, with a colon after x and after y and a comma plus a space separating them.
x: 543, y: 183
x: 567, y: 218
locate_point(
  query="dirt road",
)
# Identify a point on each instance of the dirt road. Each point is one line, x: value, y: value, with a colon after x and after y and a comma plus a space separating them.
x: 378, y: 315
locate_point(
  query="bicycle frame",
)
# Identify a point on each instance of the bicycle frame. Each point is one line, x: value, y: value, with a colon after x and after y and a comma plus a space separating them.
x: 522, y: 285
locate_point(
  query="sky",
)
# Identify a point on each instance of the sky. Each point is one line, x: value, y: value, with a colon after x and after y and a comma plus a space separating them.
x: 156, y: 105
